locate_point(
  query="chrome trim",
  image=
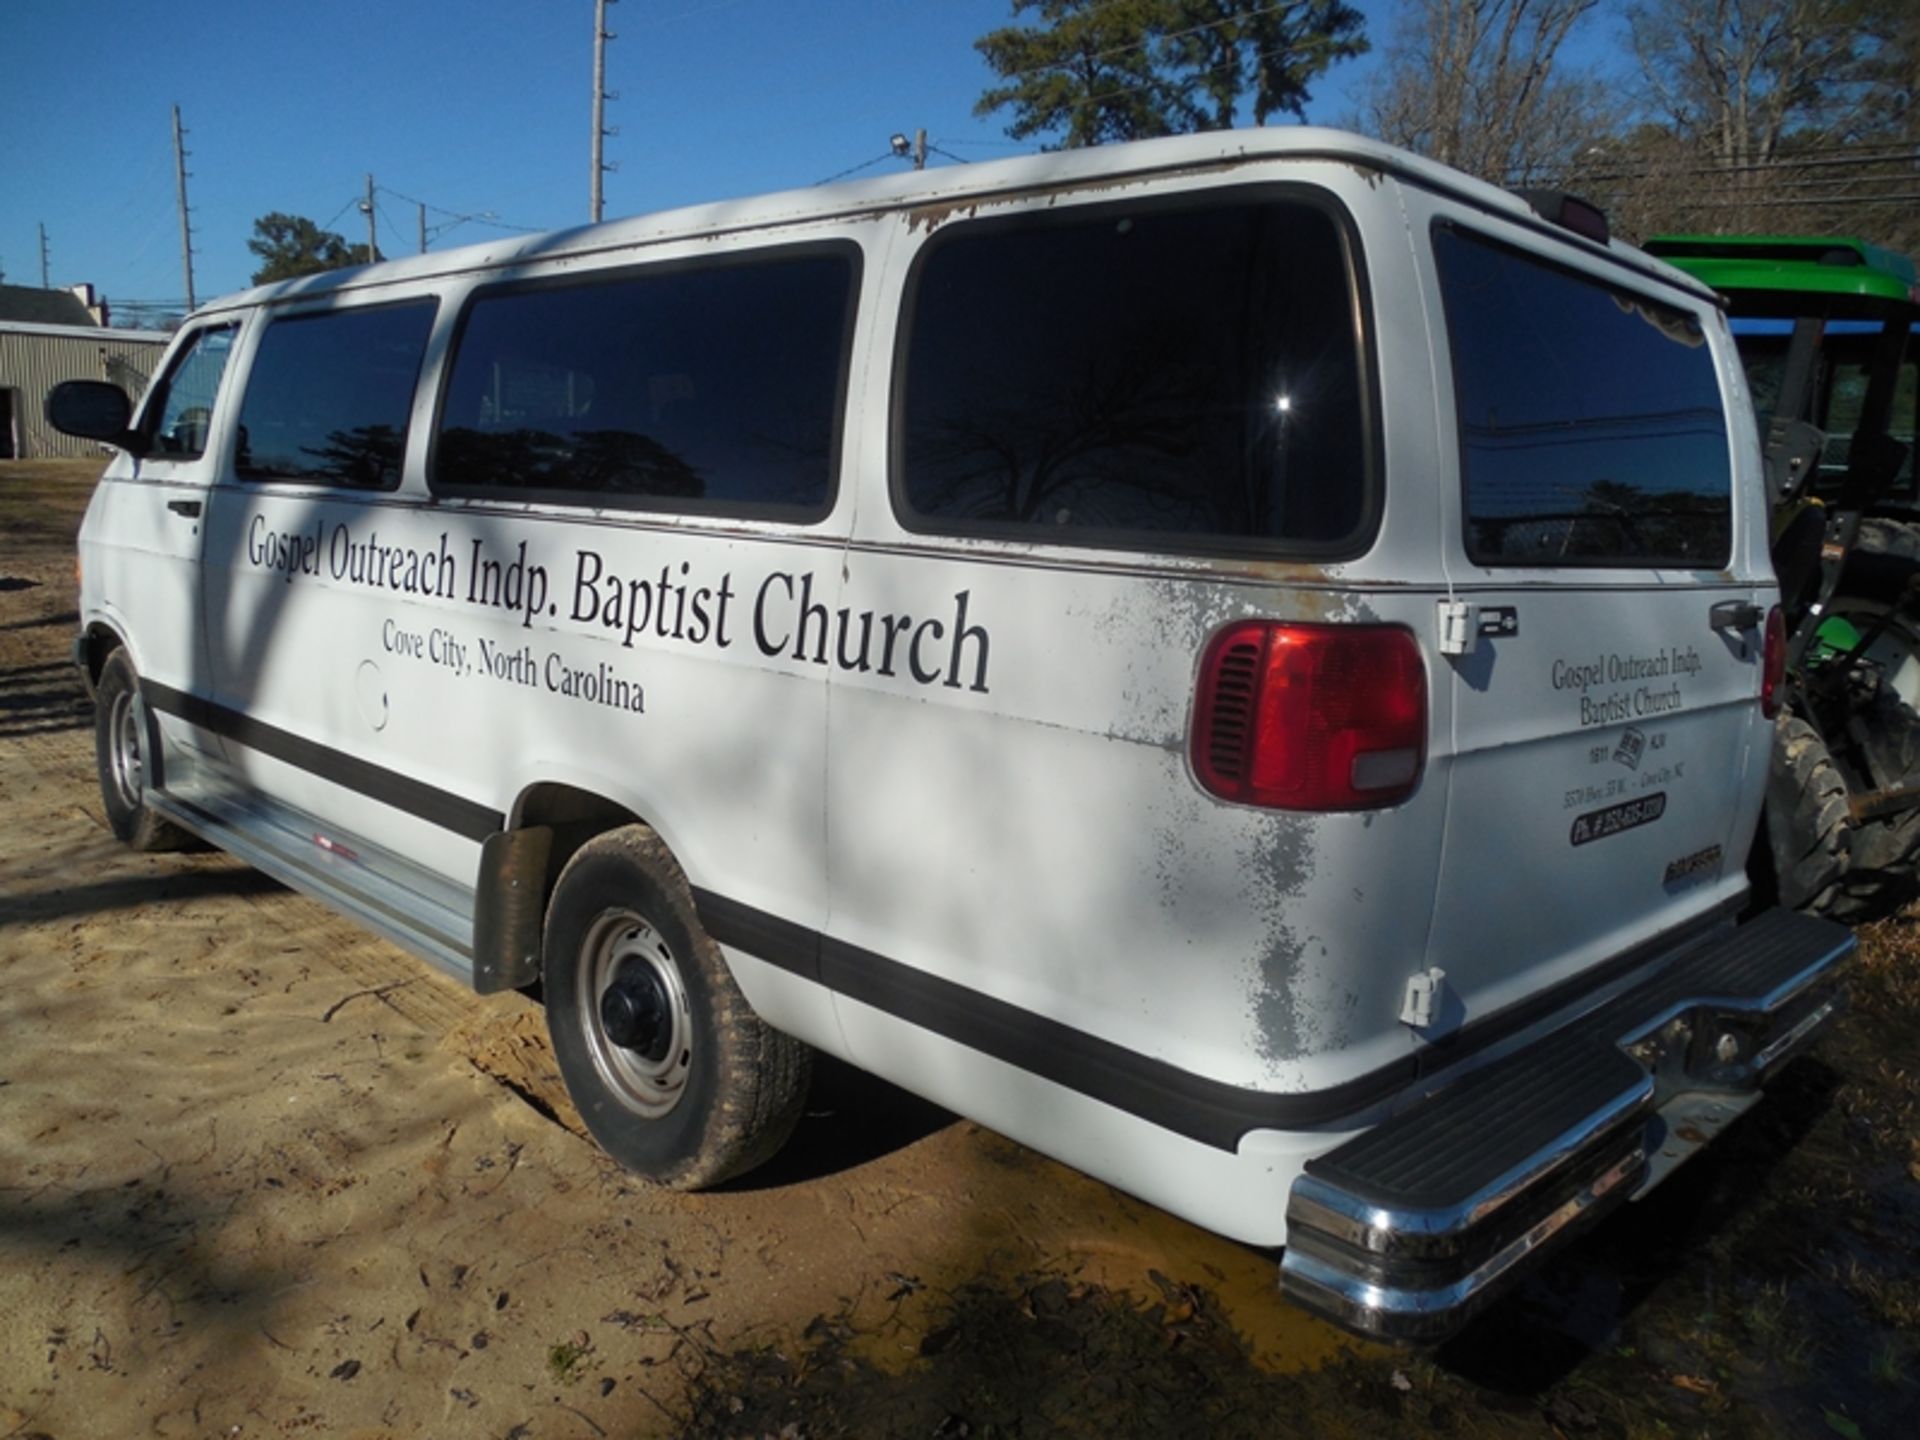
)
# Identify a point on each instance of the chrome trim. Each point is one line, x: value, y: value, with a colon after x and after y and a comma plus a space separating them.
x: 1402, y: 1272
x: 1382, y: 1230
x: 1797, y: 1036
x: 1406, y: 1313
x: 409, y: 920
x: 1780, y: 995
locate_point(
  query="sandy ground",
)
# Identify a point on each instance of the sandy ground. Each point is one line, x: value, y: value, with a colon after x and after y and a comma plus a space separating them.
x: 261, y: 1173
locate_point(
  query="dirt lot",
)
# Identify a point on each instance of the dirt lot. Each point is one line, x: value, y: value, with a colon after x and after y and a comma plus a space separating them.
x: 261, y: 1174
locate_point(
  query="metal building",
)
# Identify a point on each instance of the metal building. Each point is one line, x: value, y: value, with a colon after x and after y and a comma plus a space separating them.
x: 47, y: 336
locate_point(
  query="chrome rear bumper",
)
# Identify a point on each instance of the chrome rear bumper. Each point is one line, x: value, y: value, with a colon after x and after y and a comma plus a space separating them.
x: 1405, y: 1231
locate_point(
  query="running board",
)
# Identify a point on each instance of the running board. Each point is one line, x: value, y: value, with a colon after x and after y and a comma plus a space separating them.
x: 437, y: 927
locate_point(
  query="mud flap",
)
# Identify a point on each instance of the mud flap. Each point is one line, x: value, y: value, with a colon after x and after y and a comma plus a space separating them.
x: 509, y: 908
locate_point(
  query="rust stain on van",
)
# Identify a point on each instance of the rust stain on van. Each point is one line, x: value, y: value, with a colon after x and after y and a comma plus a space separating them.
x: 932, y: 217
x: 1052, y: 193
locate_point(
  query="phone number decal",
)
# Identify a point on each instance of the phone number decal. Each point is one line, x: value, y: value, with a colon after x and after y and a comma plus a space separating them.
x: 1599, y: 824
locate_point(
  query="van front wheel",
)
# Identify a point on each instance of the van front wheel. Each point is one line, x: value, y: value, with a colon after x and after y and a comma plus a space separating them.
x: 123, y: 749
x: 671, y: 1070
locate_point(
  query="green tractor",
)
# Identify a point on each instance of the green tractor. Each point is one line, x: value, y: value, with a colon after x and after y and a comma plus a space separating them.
x: 1823, y: 327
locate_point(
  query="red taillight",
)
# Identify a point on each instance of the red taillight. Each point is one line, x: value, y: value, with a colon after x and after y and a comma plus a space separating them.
x: 1311, y: 717
x: 1773, y: 669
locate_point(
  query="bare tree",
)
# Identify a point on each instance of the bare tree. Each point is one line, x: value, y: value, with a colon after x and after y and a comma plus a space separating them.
x: 1472, y: 83
x: 1736, y: 76
x: 1767, y: 115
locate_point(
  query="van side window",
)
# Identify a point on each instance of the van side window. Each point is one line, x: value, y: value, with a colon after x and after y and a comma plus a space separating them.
x: 1189, y: 370
x: 1595, y: 437
x: 329, y: 394
x: 182, y: 415
x: 710, y: 388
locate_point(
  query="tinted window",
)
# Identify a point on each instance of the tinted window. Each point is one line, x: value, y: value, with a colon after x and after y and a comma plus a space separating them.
x: 1591, y: 420
x: 1850, y: 367
x: 708, y: 388
x: 183, y: 414
x: 329, y: 395
x: 1846, y: 362
x: 1189, y: 372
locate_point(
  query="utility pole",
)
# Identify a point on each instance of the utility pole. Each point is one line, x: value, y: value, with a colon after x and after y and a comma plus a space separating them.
x: 373, y: 236
x: 601, y: 35
x: 423, y: 227
x: 45, y: 282
x: 180, y: 184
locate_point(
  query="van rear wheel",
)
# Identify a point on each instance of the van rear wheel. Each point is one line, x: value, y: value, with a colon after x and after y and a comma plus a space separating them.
x: 124, y: 742
x: 673, y: 1073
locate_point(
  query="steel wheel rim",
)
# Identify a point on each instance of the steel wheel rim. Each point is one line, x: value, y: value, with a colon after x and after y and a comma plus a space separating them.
x: 644, y: 1087
x: 126, y: 756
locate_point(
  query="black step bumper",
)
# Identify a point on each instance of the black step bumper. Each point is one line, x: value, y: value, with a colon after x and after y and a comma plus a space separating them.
x: 1405, y: 1231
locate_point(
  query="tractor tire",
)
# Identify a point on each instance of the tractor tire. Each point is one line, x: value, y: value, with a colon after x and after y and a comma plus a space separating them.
x: 1807, y: 832
x: 1883, y: 869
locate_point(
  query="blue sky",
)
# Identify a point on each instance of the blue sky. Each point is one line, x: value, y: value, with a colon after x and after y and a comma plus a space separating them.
x: 469, y: 105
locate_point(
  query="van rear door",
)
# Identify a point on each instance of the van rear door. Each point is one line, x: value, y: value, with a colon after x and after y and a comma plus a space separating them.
x: 1607, y: 618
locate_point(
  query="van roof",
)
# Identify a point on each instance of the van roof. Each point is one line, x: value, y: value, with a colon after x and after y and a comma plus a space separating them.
x: 940, y: 191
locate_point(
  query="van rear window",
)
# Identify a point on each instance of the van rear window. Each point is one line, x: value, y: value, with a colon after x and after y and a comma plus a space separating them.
x: 329, y: 395
x: 1189, y: 374
x: 1591, y: 422
x: 712, y: 388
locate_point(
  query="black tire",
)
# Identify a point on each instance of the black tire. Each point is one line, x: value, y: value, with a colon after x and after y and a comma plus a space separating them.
x: 124, y: 744
x: 1883, y: 868
x: 1806, y: 818
x: 671, y: 1070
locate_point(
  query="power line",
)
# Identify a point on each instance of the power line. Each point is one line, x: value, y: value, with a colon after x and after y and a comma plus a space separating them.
x: 957, y: 159
x: 1845, y: 161
x: 856, y: 169
x: 456, y: 217
x: 341, y: 211
x: 392, y: 227
x: 1834, y: 202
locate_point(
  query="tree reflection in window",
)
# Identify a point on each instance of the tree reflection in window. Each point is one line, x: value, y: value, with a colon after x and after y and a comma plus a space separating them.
x: 714, y: 386
x: 1592, y: 426
x: 329, y: 395
x: 1185, y: 371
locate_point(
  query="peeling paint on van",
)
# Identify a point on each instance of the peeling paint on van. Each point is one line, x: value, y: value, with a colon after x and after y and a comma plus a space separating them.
x: 932, y: 217
x: 1276, y: 869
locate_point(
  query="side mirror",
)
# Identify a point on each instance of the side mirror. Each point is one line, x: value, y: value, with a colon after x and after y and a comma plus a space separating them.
x: 92, y: 410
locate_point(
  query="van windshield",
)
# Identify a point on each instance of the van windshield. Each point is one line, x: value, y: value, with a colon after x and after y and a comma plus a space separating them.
x: 1592, y: 429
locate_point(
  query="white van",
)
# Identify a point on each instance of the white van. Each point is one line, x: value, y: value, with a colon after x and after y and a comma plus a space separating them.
x: 1240, y: 661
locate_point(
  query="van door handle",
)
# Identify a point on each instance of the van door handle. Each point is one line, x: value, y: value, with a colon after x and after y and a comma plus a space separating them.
x: 188, y: 508
x: 1734, y: 615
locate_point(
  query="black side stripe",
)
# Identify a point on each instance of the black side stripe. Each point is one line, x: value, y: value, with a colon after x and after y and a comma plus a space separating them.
x: 1210, y: 1111
x: 425, y: 802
